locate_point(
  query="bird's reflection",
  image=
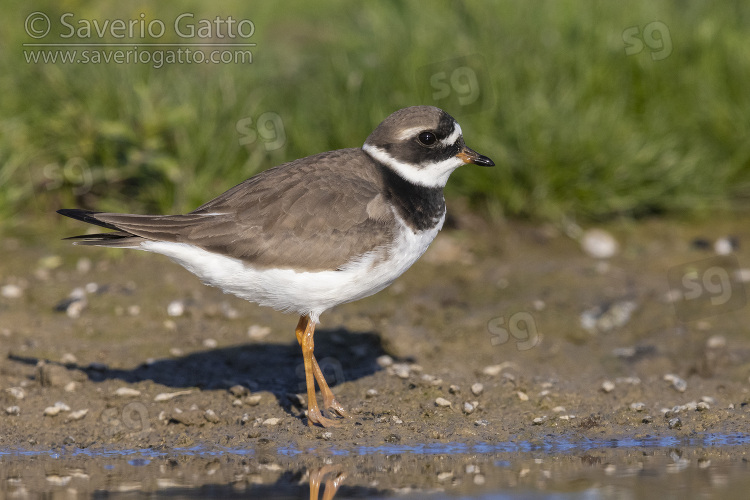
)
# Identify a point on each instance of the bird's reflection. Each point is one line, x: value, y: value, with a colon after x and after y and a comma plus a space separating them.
x: 333, y: 477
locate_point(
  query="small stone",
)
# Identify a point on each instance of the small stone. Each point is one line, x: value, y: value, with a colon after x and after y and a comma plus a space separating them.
x: 237, y: 402
x: 11, y: 291
x: 13, y: 410
x: 396, y: 420
x: 442, y: 402
x: 675, y: 423
x: 75, y: 308
x: 539, y: 420
x: 647, y: 419
x: 71, y: 386
x: 558, y: 409
x: 468, y: 408
x: 327, y: 435
x: 678, y: 384
x: 211, y: 416
x: 52, y: 411
x: 638, y: 406
x: 83, y: 265
x: 494, y: 370
x: 702, y: 406
x: 371, y: 393
x: 477, y: 389
x: 443, y: 476
x: 239, y: 390
x: 175, y: 352
x: 481, y: 423
x: 716, y: 342
x: 134, y: 310
x: 189, y: 417
x: 522, y: 396
x: 271, y: 421
x: 68, y: 359
x: 51, y: 375
x: 253, y: 400
x: 400, y: 370
x: 16, y: 392
x: 166, y: 396
x: 454, y: 389
x: 258, y: 332
x: 77, y: 415
x: 210, y: 343
x: 127, y: 392
x: 708, y: 400
x: 599, y: 244
x: 608, y: 386
x: 384, y: 361
x: 176, y: 308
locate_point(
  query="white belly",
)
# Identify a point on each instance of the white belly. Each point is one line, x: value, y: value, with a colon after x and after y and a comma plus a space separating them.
x: 302, y: 292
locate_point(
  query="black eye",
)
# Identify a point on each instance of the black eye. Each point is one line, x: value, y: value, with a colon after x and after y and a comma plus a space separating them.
x: 427, y: 138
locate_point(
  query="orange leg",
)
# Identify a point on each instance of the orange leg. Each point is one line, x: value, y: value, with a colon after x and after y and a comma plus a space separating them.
x: 332, y: 485
x: 305, y: 331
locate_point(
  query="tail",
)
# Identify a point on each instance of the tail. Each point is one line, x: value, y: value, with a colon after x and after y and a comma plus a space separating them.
x: 117, y: 239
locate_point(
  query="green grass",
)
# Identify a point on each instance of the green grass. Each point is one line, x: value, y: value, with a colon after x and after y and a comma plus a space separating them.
x: 577, y: 127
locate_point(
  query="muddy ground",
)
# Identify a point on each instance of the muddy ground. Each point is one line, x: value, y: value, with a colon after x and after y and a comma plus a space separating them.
x: 121, y: 350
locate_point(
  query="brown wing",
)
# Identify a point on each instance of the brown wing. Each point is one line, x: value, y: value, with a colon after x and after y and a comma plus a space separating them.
x: 315, y: 213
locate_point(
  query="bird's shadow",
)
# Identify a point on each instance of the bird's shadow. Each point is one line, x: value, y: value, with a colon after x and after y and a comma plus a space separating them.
x: 277, y: 368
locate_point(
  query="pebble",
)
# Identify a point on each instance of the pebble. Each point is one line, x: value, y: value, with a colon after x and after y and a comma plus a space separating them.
x: 134, y: 310
x: 608, y: 386
x: 638, y: 406
x: 11, y: 291
x: 401, y: 370
x: 51, y: 375
x: 539, y: 420
x: 78, y: 415
x: 68, y: 359
x: 494, y: 370
x: 454, y: 389
x: 71, y: 386
x: 175, y: 352
x: 675, y: 423
x: 647, y: 419
x: 16, y: 392
x: 468, y: 408
x: 384, y: 361
x: 442, y: 402
x: 708, y: 400
x: 726, y: 245
x: 166, y: 396
x: 13, y: 410
x: 522, y: 396
x: 481, y: 423
x: 558, y: 409
x: 239, y: 390
x: 606, y: 318
x: 716, y: 342
x: 477, y: 389
x: 702, y: 406
x: 253, y: 400
x: 678, y: 384
x: 58, y: 407
x: 396, y: 420
x: 210, y: 343
x: 599, y: 244
x: 127, y: 392
x: 371, y: 393
x: 258, y: 332
x: 211, y: 416
x: 271, y: 421
x: 176, y: 308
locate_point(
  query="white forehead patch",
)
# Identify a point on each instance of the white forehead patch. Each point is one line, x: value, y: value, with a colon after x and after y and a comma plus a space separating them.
x: 429, y: 174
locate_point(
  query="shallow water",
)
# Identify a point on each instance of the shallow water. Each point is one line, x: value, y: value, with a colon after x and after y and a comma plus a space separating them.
x: 697, y: 466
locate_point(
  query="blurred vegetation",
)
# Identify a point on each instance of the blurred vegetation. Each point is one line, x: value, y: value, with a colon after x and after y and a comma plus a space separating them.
x: 590, y: 110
